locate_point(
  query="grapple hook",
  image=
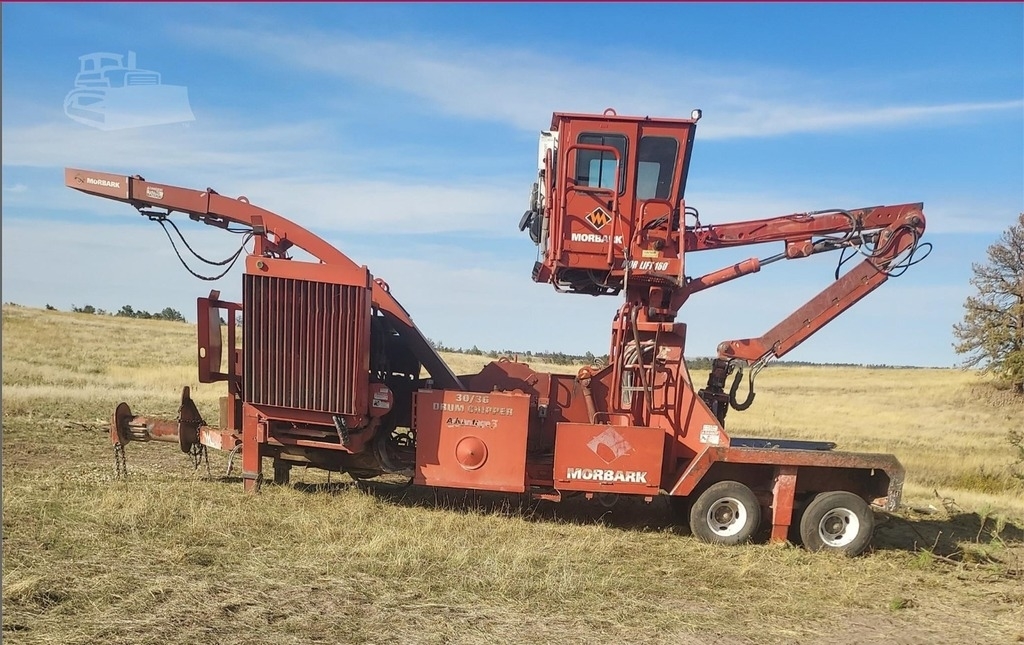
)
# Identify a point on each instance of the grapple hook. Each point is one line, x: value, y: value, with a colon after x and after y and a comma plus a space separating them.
x: 736, y: 405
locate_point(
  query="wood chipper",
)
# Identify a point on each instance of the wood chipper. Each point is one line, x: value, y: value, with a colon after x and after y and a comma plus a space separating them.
x: 329, y: 371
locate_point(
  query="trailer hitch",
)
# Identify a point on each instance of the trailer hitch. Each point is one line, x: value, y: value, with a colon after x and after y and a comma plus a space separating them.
x: 126, y: 427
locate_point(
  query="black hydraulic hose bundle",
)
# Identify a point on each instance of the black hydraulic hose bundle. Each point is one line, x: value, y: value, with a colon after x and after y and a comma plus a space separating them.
x: 163, y: 221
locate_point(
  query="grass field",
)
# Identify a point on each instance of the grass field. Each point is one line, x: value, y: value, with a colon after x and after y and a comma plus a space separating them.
x: 177, y: 556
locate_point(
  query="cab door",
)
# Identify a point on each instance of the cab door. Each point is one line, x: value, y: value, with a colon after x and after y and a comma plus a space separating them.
x: 598, y: 214
x: 657, y: 199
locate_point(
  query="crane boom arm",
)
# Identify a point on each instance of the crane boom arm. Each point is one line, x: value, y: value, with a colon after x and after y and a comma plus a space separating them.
x: 274, y: 235
x: 894, y: 230
x: 798, y: 228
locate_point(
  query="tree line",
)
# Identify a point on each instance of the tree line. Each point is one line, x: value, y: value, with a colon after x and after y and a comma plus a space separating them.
x: 127, y: 311
x: 555, y: 358
x: 589, y: 358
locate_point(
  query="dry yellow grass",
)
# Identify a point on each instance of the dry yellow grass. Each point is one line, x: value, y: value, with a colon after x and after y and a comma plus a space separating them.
x: 172, y: 557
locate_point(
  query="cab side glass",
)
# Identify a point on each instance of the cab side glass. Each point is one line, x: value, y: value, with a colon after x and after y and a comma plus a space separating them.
x: 656, y: 161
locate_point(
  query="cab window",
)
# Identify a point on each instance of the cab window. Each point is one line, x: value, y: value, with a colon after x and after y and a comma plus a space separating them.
x: 656, y: 159
x: 597, y: 168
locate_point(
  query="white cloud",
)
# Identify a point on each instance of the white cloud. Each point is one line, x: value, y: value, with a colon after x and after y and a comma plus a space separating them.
x: 275, y: 165
x: 956, y: 215
x: 944, y: 214
x: 764, y: 118
x: 207, y: 145
x: 280, y: 166
x: 519, y: 87
x: 469, y: 296
x: 369, y: 206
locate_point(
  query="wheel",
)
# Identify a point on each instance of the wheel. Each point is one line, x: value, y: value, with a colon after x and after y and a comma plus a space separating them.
x: 838, y: 521
x: 726, y: 513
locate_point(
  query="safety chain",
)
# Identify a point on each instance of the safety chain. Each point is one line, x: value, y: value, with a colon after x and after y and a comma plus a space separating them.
x: 120, y: 462
x: 231, y: 460
x: 199, y: 457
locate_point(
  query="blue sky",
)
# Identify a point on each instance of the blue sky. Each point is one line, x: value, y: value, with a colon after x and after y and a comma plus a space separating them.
x: 406, y: 135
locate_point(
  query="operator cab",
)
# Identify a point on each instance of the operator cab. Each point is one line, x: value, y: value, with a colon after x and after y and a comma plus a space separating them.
x: 607, y: 205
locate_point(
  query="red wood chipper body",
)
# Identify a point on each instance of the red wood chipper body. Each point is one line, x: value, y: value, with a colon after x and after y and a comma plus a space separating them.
x: 331, y: 372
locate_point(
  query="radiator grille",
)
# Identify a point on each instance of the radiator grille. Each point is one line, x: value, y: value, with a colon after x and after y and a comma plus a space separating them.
x: 306, y: 344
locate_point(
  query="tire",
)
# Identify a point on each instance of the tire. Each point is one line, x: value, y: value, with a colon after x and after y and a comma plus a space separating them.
x: 726, y: 513
x: 838, y: 521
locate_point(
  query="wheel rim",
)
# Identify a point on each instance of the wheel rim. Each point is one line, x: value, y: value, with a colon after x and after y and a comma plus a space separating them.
x: 727, y: 517
x: 839, y: 527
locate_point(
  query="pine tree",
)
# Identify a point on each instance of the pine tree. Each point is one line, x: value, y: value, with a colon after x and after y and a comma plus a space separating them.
x: 992, y: 331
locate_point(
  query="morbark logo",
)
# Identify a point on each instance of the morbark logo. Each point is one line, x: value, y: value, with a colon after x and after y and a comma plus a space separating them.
x: 598, y: 218
x: 103, y: 182
x: 610, y: 445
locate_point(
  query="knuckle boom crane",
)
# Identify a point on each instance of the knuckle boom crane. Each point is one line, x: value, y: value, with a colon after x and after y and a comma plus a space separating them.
x: 329, y: 369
